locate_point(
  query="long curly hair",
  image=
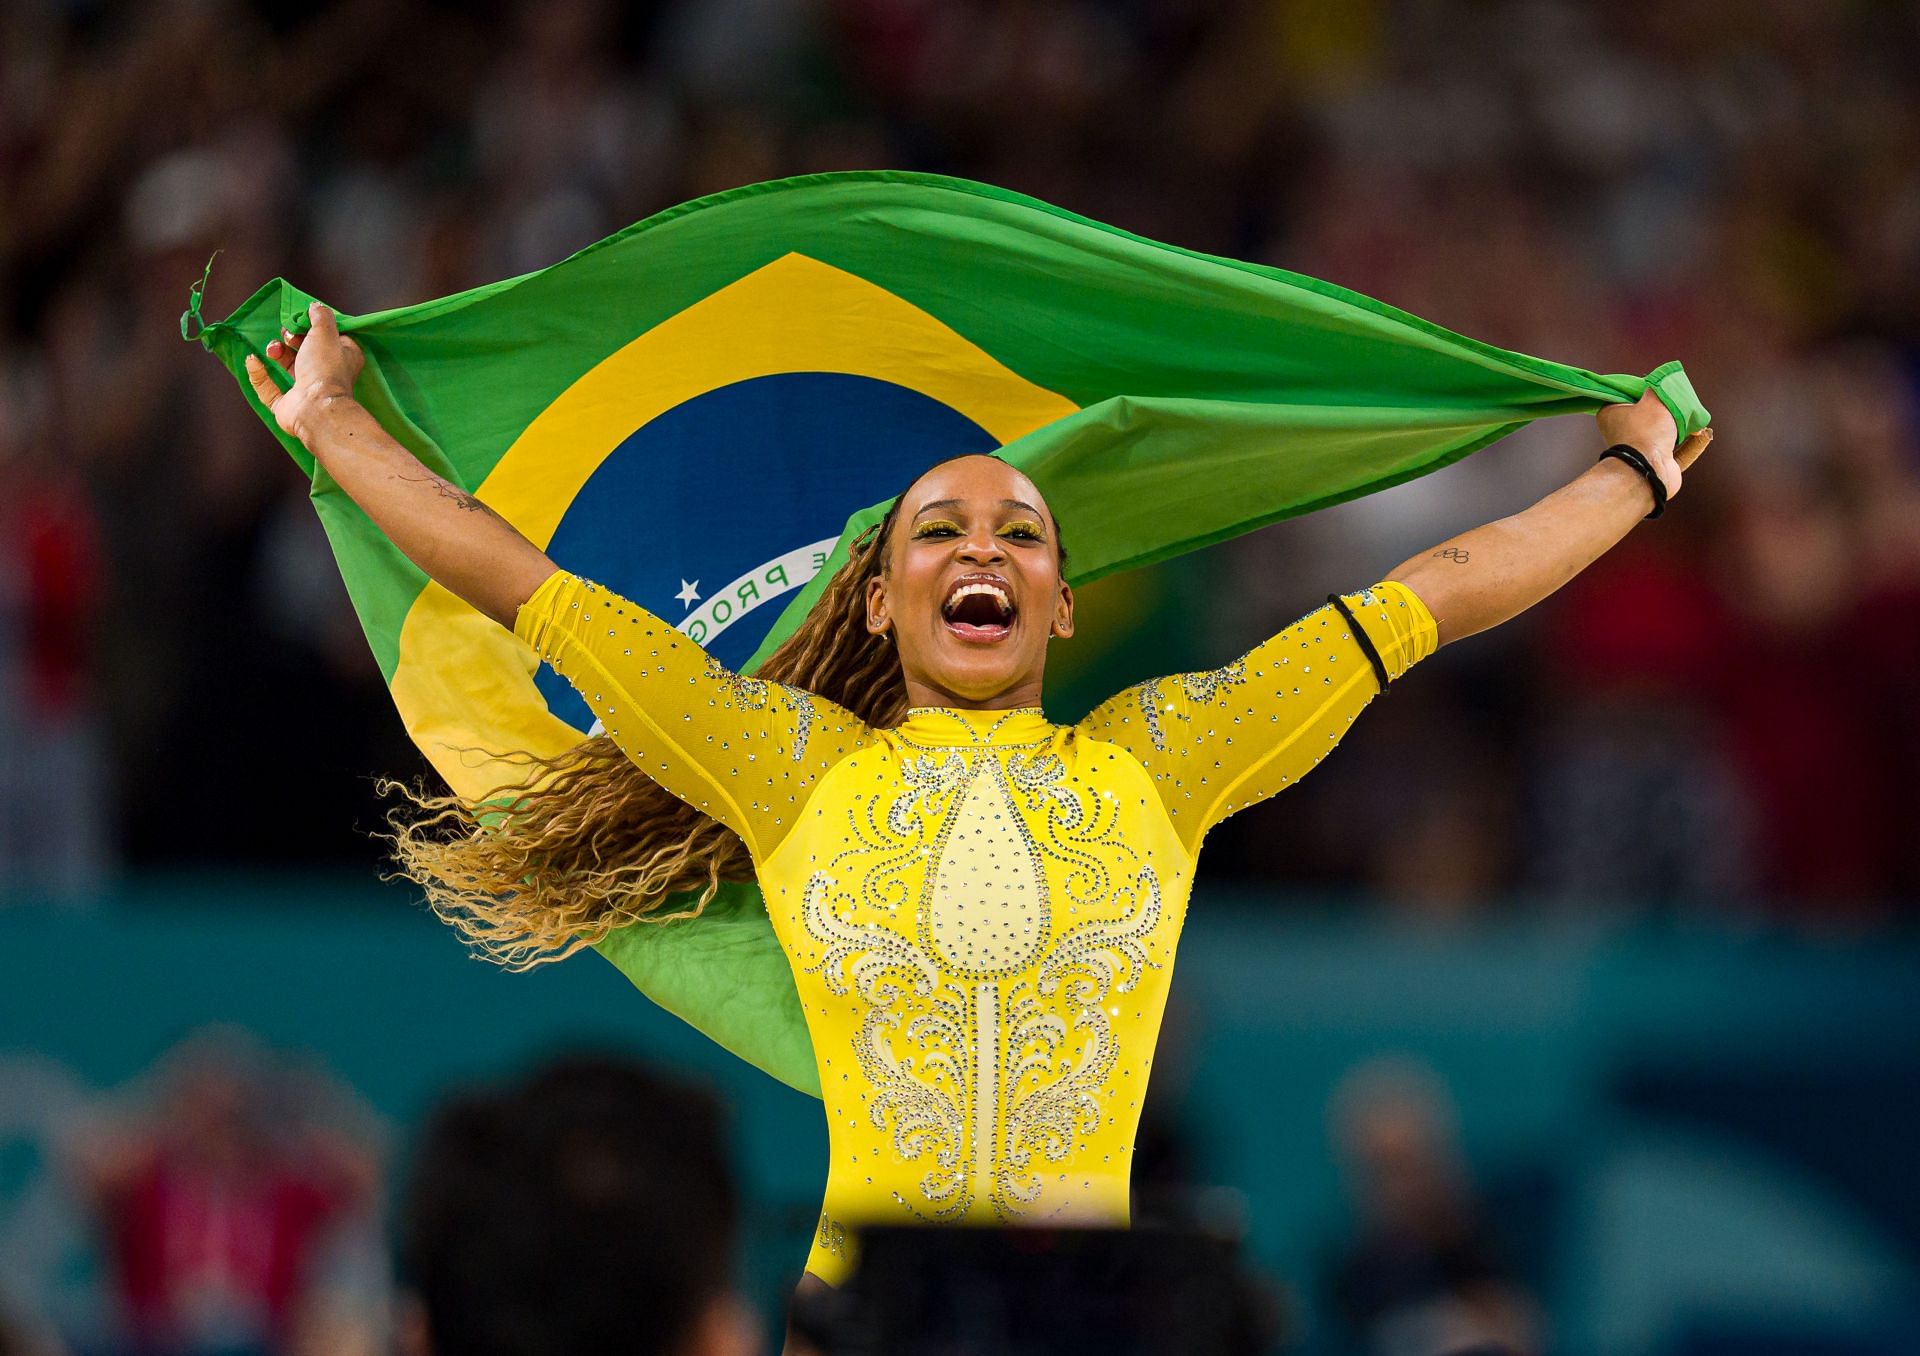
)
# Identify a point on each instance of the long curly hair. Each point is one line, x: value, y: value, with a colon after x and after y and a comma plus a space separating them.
x: 586, y: 842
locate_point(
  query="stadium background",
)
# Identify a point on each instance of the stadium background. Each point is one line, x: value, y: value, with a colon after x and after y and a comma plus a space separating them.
x: 1643, y: 945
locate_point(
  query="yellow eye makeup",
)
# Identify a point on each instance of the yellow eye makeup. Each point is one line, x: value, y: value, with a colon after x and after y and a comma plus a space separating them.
x: 1024, y: 528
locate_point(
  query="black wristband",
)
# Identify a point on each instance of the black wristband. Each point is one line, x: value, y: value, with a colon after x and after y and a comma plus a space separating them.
x: 1360, y: 634
x: 1637, y: 459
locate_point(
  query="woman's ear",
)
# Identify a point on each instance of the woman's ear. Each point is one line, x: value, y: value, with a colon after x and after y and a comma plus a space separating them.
x: 879, y: 622
x: 1063, y: 611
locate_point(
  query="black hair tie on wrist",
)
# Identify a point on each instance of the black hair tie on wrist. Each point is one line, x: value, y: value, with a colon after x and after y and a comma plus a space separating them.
x: 1360, y: 634
x: 1637, y: 459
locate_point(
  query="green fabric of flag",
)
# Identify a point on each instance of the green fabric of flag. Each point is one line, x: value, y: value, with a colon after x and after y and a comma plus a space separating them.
x: 721, y: 396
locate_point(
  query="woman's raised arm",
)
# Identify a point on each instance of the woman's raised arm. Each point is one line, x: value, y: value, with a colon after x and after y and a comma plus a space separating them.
x: 1216, y: 742
x: 1484, y: 577
x: 745, y: 752
x: 463, y: 545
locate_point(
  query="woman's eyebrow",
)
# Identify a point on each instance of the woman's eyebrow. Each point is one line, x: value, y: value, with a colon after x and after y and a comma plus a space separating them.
x: 961, y: 503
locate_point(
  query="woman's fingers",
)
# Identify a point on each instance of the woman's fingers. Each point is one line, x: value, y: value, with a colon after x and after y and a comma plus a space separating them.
x: 342, y: 352
x: 1667, y: 469
x: 284, y: 349
x: 260, y: 377
x: 331, y: 359
x: 1671, y: 466
x: 323, y: 322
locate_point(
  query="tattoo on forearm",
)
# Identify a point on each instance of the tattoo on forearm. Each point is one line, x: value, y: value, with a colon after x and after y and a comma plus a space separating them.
x: 447, y: 490
x: 1457, y: 554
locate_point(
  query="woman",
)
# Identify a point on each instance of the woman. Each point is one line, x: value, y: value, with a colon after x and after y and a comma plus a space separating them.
x: 980, y: 907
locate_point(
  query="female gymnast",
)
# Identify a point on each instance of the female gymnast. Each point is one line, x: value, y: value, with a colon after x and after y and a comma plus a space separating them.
x: 980, y: 907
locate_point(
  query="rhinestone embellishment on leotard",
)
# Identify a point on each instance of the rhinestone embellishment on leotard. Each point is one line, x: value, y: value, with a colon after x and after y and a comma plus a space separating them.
x: 984, y: 1037
x: 753, y: 694
x: 1199, y: 687
x: 832, y: 1235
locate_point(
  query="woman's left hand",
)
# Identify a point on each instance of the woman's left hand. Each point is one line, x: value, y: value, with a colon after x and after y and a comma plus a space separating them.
x: 1648, y: 426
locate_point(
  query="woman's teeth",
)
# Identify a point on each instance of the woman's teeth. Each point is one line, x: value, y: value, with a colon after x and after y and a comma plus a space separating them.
x: 969, y: 590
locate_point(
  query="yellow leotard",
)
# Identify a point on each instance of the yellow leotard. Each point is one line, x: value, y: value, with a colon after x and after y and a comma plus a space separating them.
x: 980, y: 907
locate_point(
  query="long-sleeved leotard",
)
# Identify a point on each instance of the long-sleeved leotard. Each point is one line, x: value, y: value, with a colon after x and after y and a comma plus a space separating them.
x: 980, y: 907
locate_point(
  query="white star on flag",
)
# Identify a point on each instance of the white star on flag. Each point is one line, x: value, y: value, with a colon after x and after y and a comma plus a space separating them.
x: 689, y: 593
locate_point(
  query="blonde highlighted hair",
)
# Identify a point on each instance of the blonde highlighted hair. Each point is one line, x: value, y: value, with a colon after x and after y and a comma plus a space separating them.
x: 586, y: 842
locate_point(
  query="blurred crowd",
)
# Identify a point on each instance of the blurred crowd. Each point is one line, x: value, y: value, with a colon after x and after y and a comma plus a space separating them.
x: 229, y: 1200
x: 238, y: 1200
x: 235, y: 1201
x: 1713, y: 718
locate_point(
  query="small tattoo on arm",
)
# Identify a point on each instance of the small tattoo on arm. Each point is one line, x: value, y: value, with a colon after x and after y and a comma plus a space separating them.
x: 1457, y: 554
x: 459, y: 496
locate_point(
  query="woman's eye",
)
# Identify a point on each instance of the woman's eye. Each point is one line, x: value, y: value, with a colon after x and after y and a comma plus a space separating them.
x: 1024, y: 532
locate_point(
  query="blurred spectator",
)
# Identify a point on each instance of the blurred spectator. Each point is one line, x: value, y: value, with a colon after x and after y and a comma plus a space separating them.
x: 1421, y: 1278
x: 588, y: 1209
x: 17, y: 1338
x: 1633, y: 797
x: 223, y: 1205
x: 53, y: 830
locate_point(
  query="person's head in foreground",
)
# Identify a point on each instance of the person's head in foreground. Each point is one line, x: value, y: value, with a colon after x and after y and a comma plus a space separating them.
x: 588, y: 1209
x: 949, y: 600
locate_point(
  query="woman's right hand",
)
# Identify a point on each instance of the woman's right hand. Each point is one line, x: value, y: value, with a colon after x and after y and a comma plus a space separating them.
x: 451, y: 535
x: 324, y: 363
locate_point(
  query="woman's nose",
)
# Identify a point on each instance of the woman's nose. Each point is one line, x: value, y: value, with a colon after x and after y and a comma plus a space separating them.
x: 982, y: 548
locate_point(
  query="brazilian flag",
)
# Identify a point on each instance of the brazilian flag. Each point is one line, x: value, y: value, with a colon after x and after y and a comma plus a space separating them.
x: 702, y: 410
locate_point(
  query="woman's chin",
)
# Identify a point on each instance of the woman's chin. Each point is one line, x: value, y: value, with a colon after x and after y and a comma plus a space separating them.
x: 977, y: 677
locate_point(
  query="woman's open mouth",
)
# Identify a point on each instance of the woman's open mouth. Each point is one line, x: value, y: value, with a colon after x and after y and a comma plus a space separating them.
x: 979, y: 608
